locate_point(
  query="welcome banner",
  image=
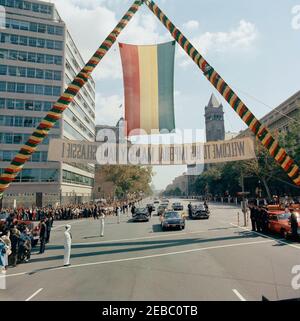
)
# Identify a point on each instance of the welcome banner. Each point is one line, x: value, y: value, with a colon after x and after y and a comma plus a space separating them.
x: 177, y: 154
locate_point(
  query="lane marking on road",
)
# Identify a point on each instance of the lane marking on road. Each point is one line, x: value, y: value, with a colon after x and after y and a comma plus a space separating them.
x: 238, y: 294
x: 34, y: 294
x: 145, y: 257
x: 266, y: 236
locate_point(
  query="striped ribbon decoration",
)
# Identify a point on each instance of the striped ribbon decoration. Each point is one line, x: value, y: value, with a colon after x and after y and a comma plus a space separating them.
x: 260, y: 130
x: 63, y: 102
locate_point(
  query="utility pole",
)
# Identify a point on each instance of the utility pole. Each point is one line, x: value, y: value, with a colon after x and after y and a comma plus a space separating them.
x: 243, y: 198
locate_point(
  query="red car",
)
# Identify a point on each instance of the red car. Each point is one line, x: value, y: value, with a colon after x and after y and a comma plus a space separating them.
x: 279, y: 222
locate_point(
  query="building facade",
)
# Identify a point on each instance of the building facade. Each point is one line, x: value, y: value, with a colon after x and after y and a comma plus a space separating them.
x: 38, y: 59
x: 281, y: 117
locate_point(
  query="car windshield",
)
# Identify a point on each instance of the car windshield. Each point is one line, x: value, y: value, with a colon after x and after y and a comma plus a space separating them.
x: 284, y: 216
x: 176, y: 204
x: 200, y: 207
x: 141, y: 209
x: 172, y: 215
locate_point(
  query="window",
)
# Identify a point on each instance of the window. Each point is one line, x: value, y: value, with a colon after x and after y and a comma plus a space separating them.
x: 18, y: 121
x: 20, y: 88
x: 3, y: 70
x: 30, y: 72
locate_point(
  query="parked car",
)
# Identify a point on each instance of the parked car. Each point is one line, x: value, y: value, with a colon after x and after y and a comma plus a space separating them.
x: 156, y: 202
x: 177, y: 206
x: 279, y: 222
x: 172, y: 219
x: 141, y: 214
x: 200, y: 212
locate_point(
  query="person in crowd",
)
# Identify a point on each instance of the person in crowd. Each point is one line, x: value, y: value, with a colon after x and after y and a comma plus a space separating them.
x: 133, y: 208
x: 253, y: 215
x: 5, y: 249
x: 67, y: 245
x: 294, y: 225
x: 43, y: 235
x: 14, y: 238
x: 265, y: 220
x: 48, y: 223
x: 118, y: 212
x: 190, y: 209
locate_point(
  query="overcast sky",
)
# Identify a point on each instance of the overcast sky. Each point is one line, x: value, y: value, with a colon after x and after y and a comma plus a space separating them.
x: 250, y: 43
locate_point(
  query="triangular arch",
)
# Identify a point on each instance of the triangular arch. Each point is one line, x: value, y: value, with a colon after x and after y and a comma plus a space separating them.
x: 260, y: 131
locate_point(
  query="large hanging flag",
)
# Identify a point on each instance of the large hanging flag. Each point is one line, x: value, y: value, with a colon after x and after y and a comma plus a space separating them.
x: 148, y: 73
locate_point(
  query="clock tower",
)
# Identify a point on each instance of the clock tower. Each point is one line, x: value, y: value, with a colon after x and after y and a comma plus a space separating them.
x: 214, y: 120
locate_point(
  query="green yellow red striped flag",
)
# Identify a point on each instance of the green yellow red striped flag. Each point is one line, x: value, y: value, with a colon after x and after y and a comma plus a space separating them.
x: 148, y: 73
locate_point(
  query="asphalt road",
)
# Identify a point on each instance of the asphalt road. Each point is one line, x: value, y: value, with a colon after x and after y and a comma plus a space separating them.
x: 210, y: 260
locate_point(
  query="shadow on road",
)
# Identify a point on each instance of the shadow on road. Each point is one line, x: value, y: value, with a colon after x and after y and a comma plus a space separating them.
x: 137, y: 246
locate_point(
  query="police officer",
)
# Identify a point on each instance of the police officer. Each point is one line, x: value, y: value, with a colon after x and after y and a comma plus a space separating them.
x: 253, y: 217
x: 258, y: 219
x: 190, y: 209
x: 265, y: 220
x: 294, y: 225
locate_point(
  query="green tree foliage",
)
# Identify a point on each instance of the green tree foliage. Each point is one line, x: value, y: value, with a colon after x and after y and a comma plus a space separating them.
x: 129, y: 178
x: 222, y: 178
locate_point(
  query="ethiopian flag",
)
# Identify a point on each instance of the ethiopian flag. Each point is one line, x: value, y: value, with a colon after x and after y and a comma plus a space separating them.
x: 148, y: 73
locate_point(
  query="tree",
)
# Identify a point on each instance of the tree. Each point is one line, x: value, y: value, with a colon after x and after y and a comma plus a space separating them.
x: 129, y: 178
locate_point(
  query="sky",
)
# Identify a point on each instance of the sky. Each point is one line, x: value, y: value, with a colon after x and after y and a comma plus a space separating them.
x: 254, y: 45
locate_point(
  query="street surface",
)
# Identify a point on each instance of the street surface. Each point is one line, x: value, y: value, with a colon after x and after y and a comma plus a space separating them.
x: 210, y: 260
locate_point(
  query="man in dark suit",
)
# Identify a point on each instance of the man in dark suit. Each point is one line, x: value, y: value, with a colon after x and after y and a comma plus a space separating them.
x: 43, y: 235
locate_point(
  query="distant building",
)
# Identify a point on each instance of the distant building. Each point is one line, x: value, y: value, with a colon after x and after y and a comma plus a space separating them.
x: 103, y: 188
x: 180, y: 182
x: 281, y: 117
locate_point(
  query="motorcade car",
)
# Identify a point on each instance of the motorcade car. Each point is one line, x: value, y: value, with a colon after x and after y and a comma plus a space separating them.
x: 161, y: 209
x: 200, y: 212
x: 141, y: 214
x: 177, y: 206
x: 172, y: 219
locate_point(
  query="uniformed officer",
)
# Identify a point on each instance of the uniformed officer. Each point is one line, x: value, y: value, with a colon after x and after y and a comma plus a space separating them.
x: 265, y: 220
x: 253, y: 211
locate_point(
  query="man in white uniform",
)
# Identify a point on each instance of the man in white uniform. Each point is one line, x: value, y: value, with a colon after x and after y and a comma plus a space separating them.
x: 102, y: 218
x: 67, y: 245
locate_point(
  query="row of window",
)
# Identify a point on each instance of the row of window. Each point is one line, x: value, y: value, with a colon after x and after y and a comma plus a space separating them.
x: 21, y: 104
x: 82, y: 113
x: 34, y: 27
x: 44, y: 90
x: 31, y: 41
x: 90, y: 95
x: 69, y: 177
x: 8, y: 155
x: 75, y: 134
x: 29, y: 72
x: 36, y: 175
x: 78, y: 122
x: 20, y: 121
x: 26, y: 5
x: 33, y: 57
x: 16, y: 138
